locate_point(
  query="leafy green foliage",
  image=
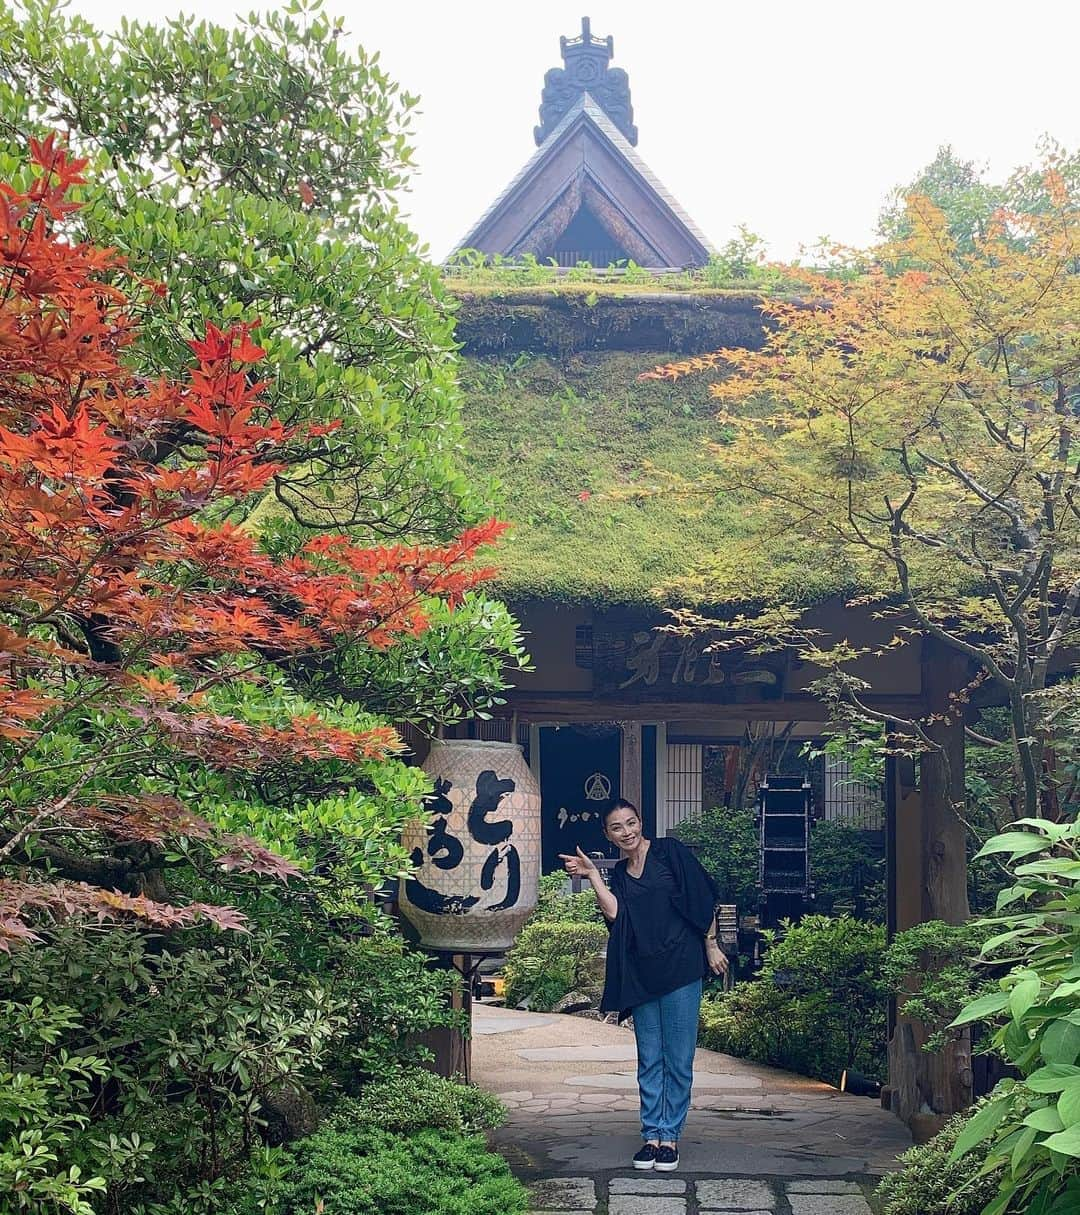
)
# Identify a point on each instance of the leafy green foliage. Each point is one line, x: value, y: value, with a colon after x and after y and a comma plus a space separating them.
x: 956, y: 187
x: 41, y: 1109
x: 353, y: 1171
x: 726, y: 843
x: 413, y: 1098
x: 848, y: 870
x: 254, y: 168
x: 152, y: 1077
x: 389, y: 994
x: 739, y: 264
x: 847, y: 866
x: 930, y: 1182
x: 555, y: 904
x: 456, y: 668
x: 1032, y: 1126
x: 817, y: 1006
x: 929, y: 968
x: 551, y: 958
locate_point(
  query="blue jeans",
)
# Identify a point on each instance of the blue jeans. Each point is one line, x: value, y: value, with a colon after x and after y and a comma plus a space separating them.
x: 666, y: 1032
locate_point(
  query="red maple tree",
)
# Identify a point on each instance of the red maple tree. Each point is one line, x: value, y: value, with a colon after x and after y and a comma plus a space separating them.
x: 121, y: 588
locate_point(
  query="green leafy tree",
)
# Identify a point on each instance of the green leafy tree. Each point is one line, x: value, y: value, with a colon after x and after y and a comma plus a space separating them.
x: 919, y: 428
x: 953, y: 185
x: 254, y: 169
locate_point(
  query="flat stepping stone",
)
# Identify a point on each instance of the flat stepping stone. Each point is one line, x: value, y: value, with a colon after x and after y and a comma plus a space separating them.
x: 824, y: 1186
x: 635, y: 1204
x: 628, y: 1080
x: 735, y: 1194
x: 647, y: 1185
x: 828, y: 1204
x: 583, y: 1054
x: 491, y: 1025
x: 563, y: 1194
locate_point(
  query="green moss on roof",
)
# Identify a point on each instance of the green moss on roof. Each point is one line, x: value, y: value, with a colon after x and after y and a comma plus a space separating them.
x: 617, y: 288
x: 581, y: 446
x: 569, y: 321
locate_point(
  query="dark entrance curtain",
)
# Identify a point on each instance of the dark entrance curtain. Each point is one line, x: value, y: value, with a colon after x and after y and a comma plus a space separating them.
x: 579, y: 777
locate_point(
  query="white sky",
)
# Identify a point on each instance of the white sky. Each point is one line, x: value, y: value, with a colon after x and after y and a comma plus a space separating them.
x: 794, y: 118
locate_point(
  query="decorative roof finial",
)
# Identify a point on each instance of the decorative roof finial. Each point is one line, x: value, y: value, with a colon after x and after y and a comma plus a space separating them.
x: 586, y: 59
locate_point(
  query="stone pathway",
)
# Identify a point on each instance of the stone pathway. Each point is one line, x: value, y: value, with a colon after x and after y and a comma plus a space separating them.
x: 757, y: 1139
x: 664, y: 1195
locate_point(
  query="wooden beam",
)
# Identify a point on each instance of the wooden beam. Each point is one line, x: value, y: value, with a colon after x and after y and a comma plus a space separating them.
x: 586, y: 707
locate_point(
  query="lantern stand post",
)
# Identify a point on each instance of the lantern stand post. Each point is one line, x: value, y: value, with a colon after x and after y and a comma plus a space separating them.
x: 453, y: 1049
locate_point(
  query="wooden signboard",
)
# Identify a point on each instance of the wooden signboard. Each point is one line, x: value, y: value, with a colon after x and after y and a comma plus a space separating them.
x: 631, y: 660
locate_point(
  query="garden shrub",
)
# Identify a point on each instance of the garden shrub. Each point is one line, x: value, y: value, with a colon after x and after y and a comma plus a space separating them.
x: 930, y: 1182
x: 153, y: 1074
x: 551, y: 958
x: 817, y: 1006
x: 389, y: 994
x: 1031, y: 1125
x: 929, y: 968
x: 353, y: 1171
x: 555, y: 903
x: 415, y: 1098
x: 848, y: 868
x: 846, y: 863
x: 725, y: 841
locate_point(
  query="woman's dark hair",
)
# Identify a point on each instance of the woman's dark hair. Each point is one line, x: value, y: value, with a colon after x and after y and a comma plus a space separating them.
x: 620, y: 803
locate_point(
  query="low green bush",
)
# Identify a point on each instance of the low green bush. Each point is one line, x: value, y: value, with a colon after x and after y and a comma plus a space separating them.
x: 152, y: 1077
x: 555, y: 904
x: 551, y: 958
x: 930, y: 1182
x: 817, y: 1007
x: 846, y: 863
x: 415, y: 1098
x: 725, y: 841
x: 390, y: 994
x: 848, y: 868
x: 929, y: 969
x: 347, y: 1170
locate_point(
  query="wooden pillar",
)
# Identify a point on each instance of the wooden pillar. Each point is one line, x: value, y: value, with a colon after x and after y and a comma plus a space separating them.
x: 930, y: 860
x: 452, y: 1049
x: 630, y: 773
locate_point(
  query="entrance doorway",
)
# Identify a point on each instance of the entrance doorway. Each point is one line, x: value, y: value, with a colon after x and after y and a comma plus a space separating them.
x: 579, y: 777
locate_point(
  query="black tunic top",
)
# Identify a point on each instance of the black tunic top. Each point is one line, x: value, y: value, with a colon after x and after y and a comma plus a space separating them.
x: 657, y: 937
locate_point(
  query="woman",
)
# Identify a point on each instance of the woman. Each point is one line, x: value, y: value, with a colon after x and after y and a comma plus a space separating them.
x: 660, y: 910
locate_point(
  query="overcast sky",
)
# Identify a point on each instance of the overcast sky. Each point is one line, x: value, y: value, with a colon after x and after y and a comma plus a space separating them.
x: 795, y: 119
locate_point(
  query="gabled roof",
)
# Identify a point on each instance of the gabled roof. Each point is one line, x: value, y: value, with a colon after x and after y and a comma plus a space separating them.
x: 587, y: 163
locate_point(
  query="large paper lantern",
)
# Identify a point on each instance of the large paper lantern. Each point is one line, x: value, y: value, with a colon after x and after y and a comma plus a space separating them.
x: 476, y: 850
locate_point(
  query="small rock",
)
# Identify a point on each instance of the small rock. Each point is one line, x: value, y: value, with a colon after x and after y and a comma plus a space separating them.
x: 574, y: 1001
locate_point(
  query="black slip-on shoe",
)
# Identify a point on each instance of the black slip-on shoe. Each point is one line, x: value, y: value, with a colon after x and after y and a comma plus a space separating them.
x: 646, y: 1158
x: 667, y: 1159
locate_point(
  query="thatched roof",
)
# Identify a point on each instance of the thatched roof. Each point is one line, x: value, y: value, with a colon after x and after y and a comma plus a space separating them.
x: 581, y: 445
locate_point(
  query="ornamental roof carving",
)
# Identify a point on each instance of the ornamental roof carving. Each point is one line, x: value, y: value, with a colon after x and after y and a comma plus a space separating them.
x: 586, y: 69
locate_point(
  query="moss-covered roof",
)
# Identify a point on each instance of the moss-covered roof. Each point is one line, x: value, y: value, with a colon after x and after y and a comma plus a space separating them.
x: 570, y: 317
x: 581, y: 445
